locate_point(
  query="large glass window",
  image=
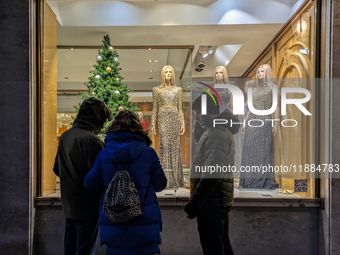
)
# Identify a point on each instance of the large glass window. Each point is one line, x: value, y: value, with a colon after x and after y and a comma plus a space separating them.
x: 196, y: 38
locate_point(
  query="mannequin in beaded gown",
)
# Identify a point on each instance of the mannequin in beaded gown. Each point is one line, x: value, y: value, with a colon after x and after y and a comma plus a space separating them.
x: 167, y: 108
x: 221, y: 77
x: 258, y: 144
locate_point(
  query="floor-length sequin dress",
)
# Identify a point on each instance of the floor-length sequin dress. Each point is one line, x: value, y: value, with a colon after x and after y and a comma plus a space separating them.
x: 258, y: 144
x: 167, y: 108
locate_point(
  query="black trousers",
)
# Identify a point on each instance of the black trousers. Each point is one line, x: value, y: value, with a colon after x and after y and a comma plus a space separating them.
x: 213, y: 228
x: 80, y: 236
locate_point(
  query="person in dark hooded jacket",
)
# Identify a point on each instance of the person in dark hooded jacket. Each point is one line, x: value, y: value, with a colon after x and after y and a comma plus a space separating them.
x: 212, y: 192
x: 128, y: 143
x: 77, y: 152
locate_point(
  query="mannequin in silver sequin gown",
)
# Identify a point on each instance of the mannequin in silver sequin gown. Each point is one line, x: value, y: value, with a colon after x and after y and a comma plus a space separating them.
x: 167, y: 108
x: 258, y: 144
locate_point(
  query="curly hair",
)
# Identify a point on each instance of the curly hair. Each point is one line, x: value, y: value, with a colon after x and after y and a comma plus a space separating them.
x: 129, y: 121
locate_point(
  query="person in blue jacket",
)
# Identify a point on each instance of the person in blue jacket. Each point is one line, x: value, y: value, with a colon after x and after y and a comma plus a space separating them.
x: 127, y: 142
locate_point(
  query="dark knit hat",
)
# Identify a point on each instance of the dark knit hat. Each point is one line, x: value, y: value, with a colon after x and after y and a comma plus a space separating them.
x: 211, y: 107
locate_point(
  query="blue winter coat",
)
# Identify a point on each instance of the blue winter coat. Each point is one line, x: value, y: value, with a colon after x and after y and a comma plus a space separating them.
x: 140, y: 236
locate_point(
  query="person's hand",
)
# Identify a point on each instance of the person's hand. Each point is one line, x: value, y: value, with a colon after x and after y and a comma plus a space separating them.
x: 182, y: 130
x: 191, y: 211
x: 275, y: 129
x: 153, y: 130
x: 243, y: 130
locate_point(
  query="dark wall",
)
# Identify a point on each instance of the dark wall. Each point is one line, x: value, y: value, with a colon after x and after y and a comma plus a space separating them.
x: 253, y: 231
x: 335, y: 182
x: 14, y: 127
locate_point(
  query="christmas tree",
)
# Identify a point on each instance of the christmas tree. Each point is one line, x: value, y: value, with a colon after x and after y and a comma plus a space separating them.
x: 106, y: 83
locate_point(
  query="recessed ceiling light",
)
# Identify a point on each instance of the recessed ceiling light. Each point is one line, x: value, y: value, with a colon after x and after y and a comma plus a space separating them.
x: 149, y: 60
x: 150, y: 70
x: 72, y: 49
x: 150, y: 78
x: 66, y: 78
x: 149, y: 49
x: 156, y: 60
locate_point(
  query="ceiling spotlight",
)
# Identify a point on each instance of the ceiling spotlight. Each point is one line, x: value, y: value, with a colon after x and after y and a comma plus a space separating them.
x: 66, y: 78
x: 149, y: 60
x: 72, y: 49
x: 150, y: 70
x: 201, y: 64
x: 149, y: 49
x: 156, y: 60
x: 199, y: 58
x: 210, y: 50
x: 150, y: 78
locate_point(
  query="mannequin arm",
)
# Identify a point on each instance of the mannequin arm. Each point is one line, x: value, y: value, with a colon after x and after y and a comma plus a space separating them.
x: 154, y: 110
x: 180, y: 110
x: 231, y: 100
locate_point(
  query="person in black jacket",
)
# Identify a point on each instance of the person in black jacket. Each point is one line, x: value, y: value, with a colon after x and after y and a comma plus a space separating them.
x: 212, y: 192
x: 77, y: 152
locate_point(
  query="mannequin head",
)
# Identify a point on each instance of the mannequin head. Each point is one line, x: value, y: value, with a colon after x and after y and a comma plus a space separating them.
x: 221, y: 75
x: 140, y: 115
x: 167, y: 74
x: 264, y: 75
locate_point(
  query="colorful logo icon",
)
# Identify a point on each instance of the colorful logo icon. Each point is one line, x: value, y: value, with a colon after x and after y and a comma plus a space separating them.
x: 208, y: 92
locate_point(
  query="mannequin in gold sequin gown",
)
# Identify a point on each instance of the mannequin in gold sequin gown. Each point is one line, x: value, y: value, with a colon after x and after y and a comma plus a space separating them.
x: 167, y: 108
x: 258, y: 145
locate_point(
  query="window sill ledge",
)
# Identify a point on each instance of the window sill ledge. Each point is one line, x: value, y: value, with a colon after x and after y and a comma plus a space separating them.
x: 238, y: 202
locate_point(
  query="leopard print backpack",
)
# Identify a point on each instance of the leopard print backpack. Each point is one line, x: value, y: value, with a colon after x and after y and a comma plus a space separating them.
x: 121, y: 201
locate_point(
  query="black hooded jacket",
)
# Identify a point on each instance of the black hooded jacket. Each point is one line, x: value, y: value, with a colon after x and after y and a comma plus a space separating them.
x: 77, y: 152
x: 215, y: 147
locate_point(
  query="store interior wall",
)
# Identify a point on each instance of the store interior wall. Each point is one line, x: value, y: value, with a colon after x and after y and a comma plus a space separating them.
x: 49, y: 99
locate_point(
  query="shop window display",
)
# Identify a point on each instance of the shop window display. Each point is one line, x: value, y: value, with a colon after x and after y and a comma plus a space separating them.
x: 173, y: 136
